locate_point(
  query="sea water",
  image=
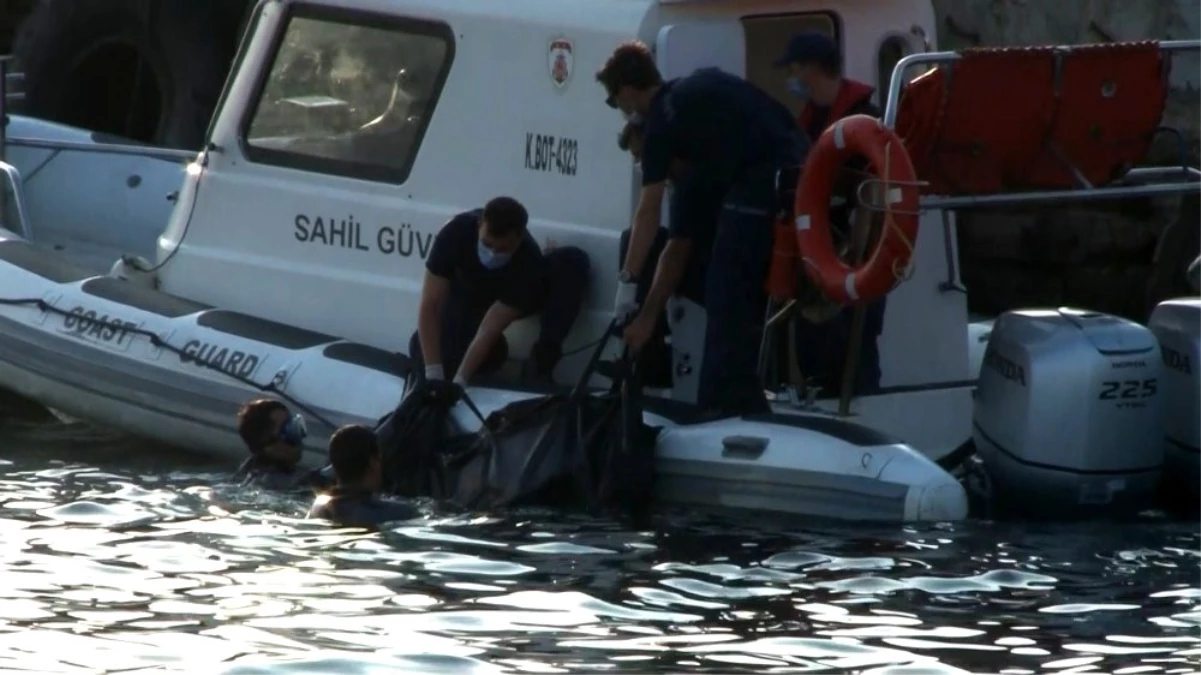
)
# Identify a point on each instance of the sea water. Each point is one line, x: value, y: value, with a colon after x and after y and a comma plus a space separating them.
x: 122, y: 557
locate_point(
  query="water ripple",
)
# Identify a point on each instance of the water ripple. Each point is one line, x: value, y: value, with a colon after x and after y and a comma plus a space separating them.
x: 132, y: 566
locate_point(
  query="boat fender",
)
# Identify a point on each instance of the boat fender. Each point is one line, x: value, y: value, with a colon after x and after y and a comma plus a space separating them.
x: 135, y: 269
x: 188, y: 353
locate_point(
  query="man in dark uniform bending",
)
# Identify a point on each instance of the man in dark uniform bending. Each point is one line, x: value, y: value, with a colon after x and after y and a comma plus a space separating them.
x: 484, y: 272
x: 732, y: 140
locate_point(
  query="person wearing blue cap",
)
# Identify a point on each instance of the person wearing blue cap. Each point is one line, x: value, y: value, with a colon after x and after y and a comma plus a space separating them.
x: 814, y: 66
x: 815, y: 75
x: 732, y: 141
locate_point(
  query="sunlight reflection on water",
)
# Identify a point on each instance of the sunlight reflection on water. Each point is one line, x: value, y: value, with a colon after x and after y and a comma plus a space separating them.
x: 127, y: 569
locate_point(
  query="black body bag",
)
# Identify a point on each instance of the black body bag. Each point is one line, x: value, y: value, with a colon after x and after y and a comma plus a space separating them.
x: 579, y: 451
x: 413, y: 441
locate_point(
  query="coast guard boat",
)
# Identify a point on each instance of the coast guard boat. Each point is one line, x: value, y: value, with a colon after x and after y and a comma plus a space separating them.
x: 292, y: 254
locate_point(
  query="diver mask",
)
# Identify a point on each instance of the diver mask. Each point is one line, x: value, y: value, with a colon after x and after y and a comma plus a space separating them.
x: 491, y: 259
x: 293, y: 431
x: 798, y: 88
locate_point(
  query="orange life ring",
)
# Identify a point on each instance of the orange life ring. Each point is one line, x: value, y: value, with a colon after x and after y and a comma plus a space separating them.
x: 888, y: 263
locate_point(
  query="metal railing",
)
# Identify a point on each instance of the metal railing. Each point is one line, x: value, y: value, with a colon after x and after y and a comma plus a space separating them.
x: 7, y: 77
x: 1147, y: 181
x: 13, y: 176
x: 1187, y: 179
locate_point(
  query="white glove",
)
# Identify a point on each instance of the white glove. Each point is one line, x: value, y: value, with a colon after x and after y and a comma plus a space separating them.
x: 433, y: 371
x: 625, y: 302
x: 1194, y: 275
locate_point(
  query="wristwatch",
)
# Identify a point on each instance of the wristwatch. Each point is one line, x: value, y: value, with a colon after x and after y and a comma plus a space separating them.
x: 625, y: 277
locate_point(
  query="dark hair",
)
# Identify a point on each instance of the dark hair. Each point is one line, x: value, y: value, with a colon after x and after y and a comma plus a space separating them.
x: 350, y: 451
x: 254, y: 422
x: 631, y: 65
x: 505, y: 216
x: 628, y: 133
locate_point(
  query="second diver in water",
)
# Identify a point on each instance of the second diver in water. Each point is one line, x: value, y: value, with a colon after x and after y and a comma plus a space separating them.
x: 355, y: 500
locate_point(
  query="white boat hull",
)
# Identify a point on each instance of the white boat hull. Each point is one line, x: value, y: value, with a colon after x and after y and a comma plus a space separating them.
x: 125, y: 356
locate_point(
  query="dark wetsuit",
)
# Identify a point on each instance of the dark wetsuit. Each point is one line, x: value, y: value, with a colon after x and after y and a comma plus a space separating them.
x: 735, y: 139
x: 270, y: 476
x: 550, y: 284
x: 355, y: 508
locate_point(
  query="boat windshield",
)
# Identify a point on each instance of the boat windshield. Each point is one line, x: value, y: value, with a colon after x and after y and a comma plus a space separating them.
x: 350, y: 90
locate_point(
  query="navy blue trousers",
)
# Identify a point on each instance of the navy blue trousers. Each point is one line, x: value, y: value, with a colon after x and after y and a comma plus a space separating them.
x: 735, y: 300
x: 568, y: 270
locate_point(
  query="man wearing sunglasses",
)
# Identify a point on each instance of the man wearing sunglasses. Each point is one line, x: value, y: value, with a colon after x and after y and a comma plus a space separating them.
x: 735, y: 141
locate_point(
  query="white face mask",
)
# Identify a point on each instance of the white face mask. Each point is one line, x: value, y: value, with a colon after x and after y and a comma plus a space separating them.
x: 797, y: 88
x: 491, y: 259
x: 633, y: 118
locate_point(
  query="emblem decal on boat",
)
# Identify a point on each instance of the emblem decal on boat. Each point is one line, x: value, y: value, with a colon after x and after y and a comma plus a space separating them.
x: 92, y: 326
x: 561, y: 60
x: 229, y: 361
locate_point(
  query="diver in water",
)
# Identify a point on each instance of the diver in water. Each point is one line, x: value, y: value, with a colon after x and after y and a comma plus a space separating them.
x: 273, y: 436
x: 355, y: 500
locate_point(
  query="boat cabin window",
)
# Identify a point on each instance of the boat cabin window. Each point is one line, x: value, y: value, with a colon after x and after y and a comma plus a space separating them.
x: 892, y: 49
x: 348, y: 93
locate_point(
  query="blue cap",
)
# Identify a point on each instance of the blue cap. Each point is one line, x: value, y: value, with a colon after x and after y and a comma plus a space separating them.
x: 811, y: 47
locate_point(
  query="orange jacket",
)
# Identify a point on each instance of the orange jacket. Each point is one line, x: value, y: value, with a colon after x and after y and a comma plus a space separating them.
x: 853, y: 98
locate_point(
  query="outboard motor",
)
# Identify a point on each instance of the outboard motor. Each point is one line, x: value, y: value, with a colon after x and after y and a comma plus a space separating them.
x: 1177, y: 326
x: 1068, y: 414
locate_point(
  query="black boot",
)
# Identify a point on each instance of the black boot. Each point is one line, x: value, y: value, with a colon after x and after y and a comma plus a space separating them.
x: 539, y: 368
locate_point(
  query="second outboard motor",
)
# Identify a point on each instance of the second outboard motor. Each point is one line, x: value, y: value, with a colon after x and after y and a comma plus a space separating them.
x: 1068, y: 415
x: 1177, y: 326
